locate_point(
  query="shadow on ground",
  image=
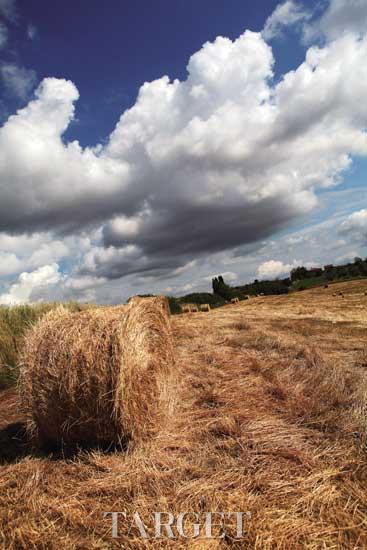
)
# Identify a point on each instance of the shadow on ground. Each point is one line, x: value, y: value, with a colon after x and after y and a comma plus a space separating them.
x: 15, y: 445
x: 13, y: 442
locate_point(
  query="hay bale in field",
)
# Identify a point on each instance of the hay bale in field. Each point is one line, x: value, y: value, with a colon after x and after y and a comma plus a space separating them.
x: 204, y: 307
x: 189, y: 308
x: 97, y: 377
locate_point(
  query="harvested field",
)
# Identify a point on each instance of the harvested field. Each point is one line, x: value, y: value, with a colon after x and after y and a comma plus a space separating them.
x: 267, y: 414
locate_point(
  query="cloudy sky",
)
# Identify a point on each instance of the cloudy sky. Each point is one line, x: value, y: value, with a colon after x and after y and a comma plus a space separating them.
x: 147, y: 146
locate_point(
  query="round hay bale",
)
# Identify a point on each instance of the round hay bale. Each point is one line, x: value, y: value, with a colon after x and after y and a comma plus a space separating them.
x: 147, y: 348
x: 97, y: 377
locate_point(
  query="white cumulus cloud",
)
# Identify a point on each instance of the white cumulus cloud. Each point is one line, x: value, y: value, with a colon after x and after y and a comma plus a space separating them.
x: 222, y: 159
x: 340, y: 16
x: 21, y: 291
x: 18, y: 80
x: 272, y: 269
x: 285, y: 15
x: 355, y: 226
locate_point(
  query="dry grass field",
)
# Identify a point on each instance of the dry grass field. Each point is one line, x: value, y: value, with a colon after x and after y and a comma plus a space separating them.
x: 267, y: 415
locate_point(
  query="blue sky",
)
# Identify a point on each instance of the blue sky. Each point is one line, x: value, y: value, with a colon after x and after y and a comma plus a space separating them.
x: 245, y: 160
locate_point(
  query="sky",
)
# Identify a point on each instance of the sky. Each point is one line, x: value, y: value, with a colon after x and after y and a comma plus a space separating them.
x: 147, y: 147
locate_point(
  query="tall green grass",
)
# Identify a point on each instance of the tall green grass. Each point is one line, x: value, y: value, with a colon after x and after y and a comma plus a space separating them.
x: 14, y: 321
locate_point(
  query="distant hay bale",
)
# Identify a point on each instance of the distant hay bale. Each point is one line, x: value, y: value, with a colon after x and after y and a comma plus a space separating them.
x: 204, y: 307
x: 97, y: 377
x: 189, y: 308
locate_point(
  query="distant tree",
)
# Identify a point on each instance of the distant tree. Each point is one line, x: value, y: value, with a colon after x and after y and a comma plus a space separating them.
x: 299, y: 273
x: 174, y: 305
x: 315, y: 272
x: 221, y: 288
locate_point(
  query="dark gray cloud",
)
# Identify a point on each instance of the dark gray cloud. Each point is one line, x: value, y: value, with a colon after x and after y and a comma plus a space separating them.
x: 172, y: 237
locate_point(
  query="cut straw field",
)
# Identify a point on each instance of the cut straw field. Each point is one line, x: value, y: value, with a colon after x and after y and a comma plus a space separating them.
x: 265, y: 412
